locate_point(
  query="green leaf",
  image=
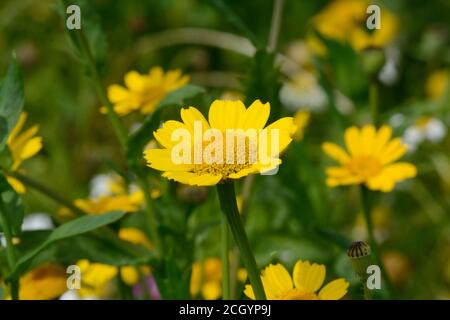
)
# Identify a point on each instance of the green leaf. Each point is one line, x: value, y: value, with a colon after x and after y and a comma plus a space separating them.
x: 12, y: 206
x: 143, y: 135
x: 11, y: 100
x: 70, y: 229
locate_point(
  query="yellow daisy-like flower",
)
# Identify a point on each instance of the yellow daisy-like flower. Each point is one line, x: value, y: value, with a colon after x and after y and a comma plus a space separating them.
x: 45, y: 282
x: 95, y: 279
x: 345, y: 21
x: 222, y: 163
x: 370, y: 159
x: 22, y: 145
x: 306, y: 280
x: 142, y: 92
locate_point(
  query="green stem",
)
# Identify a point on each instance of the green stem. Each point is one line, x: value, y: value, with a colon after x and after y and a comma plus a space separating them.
x: 150, y: 215
x: 373, y: 100
x: 225, y: 259
x: 47, y: 191
x: 10, y: 250
x: 227, y: 197
x: 113, y: 118
x: 366, y: 208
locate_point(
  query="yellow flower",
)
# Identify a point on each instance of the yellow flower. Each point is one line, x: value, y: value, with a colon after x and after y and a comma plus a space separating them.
x: 109, y: 203
x: 45, y: 282
x: 436, y: 84
x: 345, y: 21
x: 22, y: 145
x: 95, y: 279
x: 306, y: 280
x: 370, y: 159
x: 142, y: 92
x: 206, y: 278
x: 222, y: 165
x: 301, y: 120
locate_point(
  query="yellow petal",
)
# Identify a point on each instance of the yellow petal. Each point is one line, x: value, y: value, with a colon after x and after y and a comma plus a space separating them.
x: 383, y: 136
x: 308, y: 278
x: 393, y: 151
x: 161, y: 159
x: 16, y: 185
x: 276, y: 281
x: 335, y: 152
x: 368, y: 139
x: 190, y: 116
x: 117, y: 93
x: 129, y: 275
x: 31, y: 147
x: 164, y: 135
x: 334, y: 290
x: 248, y: 291
x: 256, y: 116
x: 211, y: 290
x: 196, y: 279
x: 353, y: 141
x: 18, y: 127
x: 193, y: 179
x: 285, y: 128
x: 226, y: 114
x: 390, y: 175
x: 135, y: 81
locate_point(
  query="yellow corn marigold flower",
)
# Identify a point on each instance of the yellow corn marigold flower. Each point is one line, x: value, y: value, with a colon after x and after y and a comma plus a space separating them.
x: 207, y: 160
x: 46, y: 282
x: 370, y: 159
x: 306, y: 280
x: 206, y: 278
x: 142, y: 92
x: 22, y: 146
x: 345, y: 21
x: 96, y: 278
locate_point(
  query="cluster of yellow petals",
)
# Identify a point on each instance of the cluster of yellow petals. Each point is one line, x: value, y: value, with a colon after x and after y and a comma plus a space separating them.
x: 345, y: 21
x: 143, y: 92
x: 22, y: 146
x: 369, y: 160
x: 304, y: 284
x: 223, y: 115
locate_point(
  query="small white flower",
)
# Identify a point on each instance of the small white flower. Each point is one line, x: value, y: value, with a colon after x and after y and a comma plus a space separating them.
x: 424, y: 129
x: 37, y: 221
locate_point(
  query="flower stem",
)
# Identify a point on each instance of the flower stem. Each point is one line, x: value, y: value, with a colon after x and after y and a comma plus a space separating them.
x: 277, y: 16
x: 10, y: 250
x: 225, y: 259
x: 366, y: 208
x: 113, y: 118
x: 373, y: 100
x: 150, y: 215
x: 227, y: 197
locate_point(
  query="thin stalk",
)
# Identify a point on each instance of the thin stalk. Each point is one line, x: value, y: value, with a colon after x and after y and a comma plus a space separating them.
x: 10, y: 250
x: 113, y: 118
x: 277, y: 16
x: 366, y: 208
x: 150, y: 216
x: 226, y: 294
x: 373, y: 100
x: 46, y: 191
x: 227, y: 197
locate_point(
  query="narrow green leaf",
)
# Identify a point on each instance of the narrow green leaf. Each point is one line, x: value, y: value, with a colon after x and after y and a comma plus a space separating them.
x: 70, y: 229
x: 143, y: 135
x: 12, y: 206
x: 11, y: 100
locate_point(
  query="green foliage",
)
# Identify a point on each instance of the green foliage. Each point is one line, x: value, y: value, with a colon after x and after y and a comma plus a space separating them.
x: 11, y: 206
x: 11, y: 100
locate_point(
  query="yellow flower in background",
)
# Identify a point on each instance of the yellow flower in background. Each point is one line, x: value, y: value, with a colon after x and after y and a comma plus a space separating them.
x: 224, y: 116
x: 369, y: 160
x: 306, y: 280
x: 206, y: 278
x: 45, y: 282
x: 95, y: 279
x: 142, y: 92
x: 437, y: 84
x: 22, y: 145
x: 345, y: 21
x: 109, y: 203
x: 301, y: 120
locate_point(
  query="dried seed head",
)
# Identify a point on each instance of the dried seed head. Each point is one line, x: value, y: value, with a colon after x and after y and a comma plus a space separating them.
x: 358, y: 249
